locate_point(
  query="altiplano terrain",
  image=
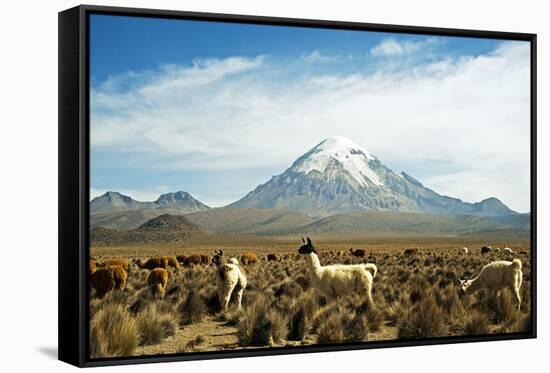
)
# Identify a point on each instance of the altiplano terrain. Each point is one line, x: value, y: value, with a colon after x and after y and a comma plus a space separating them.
x: 415, y: 296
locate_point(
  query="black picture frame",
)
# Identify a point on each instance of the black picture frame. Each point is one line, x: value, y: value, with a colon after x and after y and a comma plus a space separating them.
x: 74, y: 179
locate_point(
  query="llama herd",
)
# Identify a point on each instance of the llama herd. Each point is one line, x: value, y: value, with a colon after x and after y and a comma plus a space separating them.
x: 339, y: 279
x: 111, y: 274
x: 332, y: 281
x: 505, y: 250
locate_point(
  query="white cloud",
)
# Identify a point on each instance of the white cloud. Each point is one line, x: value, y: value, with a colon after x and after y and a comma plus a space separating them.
x: 470, y: 113
x: 392, y: 47
x: 316, y: 57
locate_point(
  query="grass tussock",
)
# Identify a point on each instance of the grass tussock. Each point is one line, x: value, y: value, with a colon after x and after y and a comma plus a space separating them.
x: 476, y: 323
x: 523, y: 324
x: 375, y: 320
x: 504, y: 309
x: 331, y: 329
x: 113, y: 332
x: 155, y: 325
x: 357, y: 328
x: 260, y: 326
x: 339, y: 324
x: 424, y: 320
x: 298, y: 325
x: 193, y: 309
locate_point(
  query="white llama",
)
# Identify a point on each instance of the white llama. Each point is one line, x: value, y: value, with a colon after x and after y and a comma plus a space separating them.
x: 496, y: 276
x: 338, y: 279
x: 229, y: 277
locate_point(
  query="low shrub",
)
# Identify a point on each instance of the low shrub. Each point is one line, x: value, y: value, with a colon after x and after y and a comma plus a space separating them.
x: 424, y: 320
x: 155, y: 325
x: 113, y: 332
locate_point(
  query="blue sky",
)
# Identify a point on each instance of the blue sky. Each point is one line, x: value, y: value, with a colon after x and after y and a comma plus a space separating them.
x: 216, y: 109
x: 119, y: 44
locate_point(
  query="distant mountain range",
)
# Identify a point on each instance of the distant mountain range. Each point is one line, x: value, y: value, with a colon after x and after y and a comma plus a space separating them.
x: 113, y: 202
x: 118, y: 211
x: 335, y: 188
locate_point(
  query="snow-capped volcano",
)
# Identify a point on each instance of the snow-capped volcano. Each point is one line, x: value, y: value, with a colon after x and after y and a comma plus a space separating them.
x: 339, y: 176
x: 343, y: 151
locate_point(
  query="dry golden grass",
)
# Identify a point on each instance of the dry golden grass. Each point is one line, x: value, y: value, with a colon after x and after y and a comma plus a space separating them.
x: 155, y: 324
x: 113, y: 332
x: 415, y: 296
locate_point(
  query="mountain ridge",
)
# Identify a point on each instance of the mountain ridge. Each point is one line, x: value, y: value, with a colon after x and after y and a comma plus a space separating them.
x: 111, y: 202
x: 337, y: 176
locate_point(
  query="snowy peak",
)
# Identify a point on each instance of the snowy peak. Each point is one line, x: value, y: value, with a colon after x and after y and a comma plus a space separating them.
x: 338, y: 176
x: 339, y: 144
x: 341, y: 151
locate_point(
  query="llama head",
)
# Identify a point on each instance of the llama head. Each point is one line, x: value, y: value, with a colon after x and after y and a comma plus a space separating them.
x: 464, y: 285
x: 217, y: 258
x: 307, y: 247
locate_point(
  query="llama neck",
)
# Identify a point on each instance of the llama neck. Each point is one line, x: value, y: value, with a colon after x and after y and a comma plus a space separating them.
x: 475, y: 285
x: 314, y: 264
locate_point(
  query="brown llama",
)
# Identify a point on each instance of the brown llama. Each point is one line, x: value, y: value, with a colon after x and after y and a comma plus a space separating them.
x: 358, y: 253
x: 181, y: 258
x: 153, y: 263
x: 192, y: 260
x: 249, y: 258
x: 121, y: 262
x: 411, y: 251
x: 157, y: 281
x: 172, y: 261
x: 205, y: 259
x: 107, y: 278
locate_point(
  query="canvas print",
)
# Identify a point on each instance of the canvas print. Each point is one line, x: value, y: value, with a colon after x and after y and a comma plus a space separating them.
x: 266, y: 186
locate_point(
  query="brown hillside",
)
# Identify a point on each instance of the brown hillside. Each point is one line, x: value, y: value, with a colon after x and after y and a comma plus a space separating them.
x: 163, y: 228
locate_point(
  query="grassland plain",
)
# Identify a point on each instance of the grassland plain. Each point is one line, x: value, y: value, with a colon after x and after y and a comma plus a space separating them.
x: 416, y: 296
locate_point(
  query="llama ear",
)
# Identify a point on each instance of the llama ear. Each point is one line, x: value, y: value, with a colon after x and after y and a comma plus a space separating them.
x: 308, y: 241
x: 303, y: 241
